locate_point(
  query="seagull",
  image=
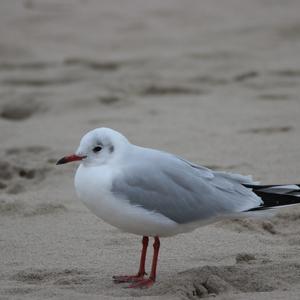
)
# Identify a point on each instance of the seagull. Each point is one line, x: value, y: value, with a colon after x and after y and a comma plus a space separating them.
x: 156, y: 194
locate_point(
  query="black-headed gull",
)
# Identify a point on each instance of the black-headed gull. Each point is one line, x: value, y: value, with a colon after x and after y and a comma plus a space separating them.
x: 153, y: 193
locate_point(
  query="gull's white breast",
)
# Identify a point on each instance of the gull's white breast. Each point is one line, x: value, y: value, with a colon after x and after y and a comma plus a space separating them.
x: 93, y: 187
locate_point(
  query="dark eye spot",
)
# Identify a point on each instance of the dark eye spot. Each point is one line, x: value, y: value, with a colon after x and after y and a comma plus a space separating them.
x: 111, y: 149
x: 97, y: 149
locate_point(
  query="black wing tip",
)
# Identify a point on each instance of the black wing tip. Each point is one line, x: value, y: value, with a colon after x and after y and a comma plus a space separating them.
x: 272, y: 199
x: 266, y: 186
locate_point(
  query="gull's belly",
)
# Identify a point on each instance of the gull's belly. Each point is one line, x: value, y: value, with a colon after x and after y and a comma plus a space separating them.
x: 95, y: 192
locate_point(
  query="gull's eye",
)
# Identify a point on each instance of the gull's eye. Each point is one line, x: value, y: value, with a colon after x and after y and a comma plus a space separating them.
x: 97, y: 149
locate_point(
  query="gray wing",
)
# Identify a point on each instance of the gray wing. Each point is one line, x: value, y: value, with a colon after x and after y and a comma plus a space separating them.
x: 180, y: 190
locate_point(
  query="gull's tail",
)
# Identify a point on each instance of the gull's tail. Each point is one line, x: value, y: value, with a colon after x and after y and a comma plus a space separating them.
x: 275, y: 196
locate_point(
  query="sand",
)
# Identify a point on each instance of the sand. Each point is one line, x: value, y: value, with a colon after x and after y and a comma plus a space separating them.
x: 217, y: 82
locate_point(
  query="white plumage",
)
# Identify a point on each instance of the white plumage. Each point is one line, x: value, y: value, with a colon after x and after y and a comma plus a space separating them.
x: 154, y: 193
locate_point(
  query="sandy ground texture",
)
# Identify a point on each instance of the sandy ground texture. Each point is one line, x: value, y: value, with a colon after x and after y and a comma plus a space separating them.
x: 217, y: 82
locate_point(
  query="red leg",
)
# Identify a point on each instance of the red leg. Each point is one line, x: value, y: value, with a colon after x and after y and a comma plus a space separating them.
x: 140, y: 275
x: 148, y: 282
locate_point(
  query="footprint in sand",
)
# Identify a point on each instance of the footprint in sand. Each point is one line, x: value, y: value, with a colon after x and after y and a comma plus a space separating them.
x: 93, y: 64
x: 268, y: 130
x: 21, y: 168
x: 164, y: 90
x: 274, y: 97
x: 20, y: 108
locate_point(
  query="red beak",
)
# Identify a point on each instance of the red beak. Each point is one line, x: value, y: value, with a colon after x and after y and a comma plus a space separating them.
x: 70, y: 158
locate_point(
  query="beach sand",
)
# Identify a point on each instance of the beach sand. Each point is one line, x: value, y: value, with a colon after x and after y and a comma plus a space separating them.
x: 217, y: 82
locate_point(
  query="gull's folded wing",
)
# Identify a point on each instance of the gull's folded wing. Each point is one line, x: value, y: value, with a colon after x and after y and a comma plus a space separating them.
x: 183, y: 192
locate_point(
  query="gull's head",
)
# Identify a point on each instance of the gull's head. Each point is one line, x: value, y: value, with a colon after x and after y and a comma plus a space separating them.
x: 98, y: 147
